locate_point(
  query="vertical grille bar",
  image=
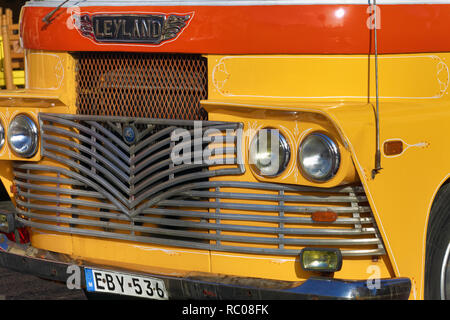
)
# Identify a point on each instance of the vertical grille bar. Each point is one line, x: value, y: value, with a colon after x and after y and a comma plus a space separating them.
x: 281, y: 215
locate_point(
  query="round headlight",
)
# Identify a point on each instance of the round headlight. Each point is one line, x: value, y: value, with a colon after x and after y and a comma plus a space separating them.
x: 269, y: 153
x: 2, y: 135
x: 23, y: 136
x: 319, y: 157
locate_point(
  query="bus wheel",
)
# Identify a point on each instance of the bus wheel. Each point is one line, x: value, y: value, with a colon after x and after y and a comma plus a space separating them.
x: 437, y: 261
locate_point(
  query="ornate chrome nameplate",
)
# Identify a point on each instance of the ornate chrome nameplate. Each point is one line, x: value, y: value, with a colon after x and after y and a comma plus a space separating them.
x: 131, y: 28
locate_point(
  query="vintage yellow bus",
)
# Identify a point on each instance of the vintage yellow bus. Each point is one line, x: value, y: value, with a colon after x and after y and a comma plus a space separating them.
x: 231, y: 149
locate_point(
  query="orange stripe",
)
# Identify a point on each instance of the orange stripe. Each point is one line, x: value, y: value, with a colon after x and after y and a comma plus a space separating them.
x: 301, y: 29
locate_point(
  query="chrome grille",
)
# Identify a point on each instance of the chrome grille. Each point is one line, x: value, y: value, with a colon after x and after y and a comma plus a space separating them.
x: 92, y: 183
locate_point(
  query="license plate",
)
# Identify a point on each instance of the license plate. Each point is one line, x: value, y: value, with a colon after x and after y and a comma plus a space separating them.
x: 125, y: 284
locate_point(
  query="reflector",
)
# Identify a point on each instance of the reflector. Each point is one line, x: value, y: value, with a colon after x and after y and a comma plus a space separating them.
x: 392, y: 148
x: 324, y: 216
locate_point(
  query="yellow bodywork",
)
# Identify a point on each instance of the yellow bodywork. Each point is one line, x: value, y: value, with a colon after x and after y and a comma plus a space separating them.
x: 297, y: 95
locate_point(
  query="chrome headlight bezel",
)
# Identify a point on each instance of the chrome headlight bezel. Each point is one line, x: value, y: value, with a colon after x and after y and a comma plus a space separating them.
x: 334, y: 155
x: 283, y: 160
x: 28, y: 126
x: 2, y: 135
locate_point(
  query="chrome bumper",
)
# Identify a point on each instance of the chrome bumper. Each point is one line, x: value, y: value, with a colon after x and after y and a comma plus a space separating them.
x: 51, y: 266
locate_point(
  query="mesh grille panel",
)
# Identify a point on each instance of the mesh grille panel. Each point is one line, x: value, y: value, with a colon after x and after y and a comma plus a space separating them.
x: 168, y: 86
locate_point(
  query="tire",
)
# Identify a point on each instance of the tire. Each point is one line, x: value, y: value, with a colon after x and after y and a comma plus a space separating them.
x: 437, y: 260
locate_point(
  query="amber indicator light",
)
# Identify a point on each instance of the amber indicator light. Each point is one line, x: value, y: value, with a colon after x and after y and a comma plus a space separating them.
x: 324, y: 216
x: 392, y: 148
